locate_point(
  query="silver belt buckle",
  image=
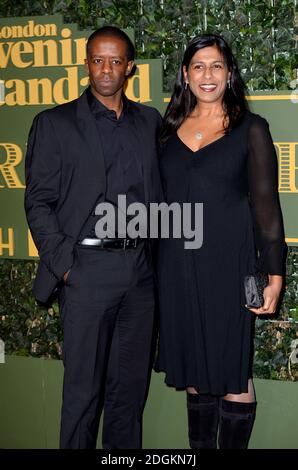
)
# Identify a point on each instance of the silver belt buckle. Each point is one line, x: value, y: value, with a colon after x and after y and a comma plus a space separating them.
x: 125, y: 243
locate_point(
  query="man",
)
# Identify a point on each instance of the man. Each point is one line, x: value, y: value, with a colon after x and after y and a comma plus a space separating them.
x: 81, y: 154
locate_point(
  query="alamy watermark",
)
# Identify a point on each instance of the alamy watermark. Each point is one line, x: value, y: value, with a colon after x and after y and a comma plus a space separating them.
x: 158, y: 220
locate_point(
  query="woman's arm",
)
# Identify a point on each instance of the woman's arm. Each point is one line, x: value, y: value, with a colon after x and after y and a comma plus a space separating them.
x: 266, y: 212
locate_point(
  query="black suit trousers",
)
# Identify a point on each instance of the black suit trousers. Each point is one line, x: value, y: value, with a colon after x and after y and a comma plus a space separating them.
x: 106, y: 307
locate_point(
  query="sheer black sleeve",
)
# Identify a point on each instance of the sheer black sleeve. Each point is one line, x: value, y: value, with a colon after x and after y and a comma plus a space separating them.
x: 264, y: 199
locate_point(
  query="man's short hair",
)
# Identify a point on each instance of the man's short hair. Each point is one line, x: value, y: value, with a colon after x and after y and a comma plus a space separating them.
x: 113, y: 31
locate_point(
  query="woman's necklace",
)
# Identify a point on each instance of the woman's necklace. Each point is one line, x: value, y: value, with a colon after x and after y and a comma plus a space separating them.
x: 198, y: 135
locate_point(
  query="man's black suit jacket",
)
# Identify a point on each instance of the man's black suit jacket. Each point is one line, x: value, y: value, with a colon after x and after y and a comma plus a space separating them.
x: 65, y: 180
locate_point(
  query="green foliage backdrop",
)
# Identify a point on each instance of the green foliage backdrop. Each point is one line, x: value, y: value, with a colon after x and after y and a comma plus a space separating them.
x: 264, y: 37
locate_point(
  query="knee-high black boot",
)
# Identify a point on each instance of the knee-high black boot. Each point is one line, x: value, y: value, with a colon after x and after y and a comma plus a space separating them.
x: 235, y: 424
x: 202, y: 421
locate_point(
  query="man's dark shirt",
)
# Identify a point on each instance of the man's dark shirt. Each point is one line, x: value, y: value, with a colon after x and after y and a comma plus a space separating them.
x: 121, y: 151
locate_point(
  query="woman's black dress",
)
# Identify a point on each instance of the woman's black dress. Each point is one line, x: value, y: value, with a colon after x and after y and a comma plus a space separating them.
x: 205, y: 330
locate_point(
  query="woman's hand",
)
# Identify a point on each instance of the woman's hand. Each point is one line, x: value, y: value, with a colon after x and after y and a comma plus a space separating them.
x: 271, y: 296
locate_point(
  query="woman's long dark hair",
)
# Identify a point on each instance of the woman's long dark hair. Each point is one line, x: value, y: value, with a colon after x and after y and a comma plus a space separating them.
x: 183, y: 101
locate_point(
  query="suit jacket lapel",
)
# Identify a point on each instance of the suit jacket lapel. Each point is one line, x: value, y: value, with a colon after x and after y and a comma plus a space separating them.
x: 93, y: 152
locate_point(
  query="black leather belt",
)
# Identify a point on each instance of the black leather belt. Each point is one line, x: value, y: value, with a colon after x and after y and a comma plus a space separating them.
x: 112, y: 243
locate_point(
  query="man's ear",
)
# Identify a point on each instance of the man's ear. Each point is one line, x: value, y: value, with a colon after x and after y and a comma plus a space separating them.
x: 129, y: 67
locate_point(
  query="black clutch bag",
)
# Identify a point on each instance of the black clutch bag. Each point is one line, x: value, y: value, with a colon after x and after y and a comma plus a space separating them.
x: 254, y: 286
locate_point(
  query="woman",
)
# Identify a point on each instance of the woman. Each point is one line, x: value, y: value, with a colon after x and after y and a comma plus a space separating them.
x: 216, y: 152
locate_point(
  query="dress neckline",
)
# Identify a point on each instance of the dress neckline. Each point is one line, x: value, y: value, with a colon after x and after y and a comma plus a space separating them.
x: 202, y: 148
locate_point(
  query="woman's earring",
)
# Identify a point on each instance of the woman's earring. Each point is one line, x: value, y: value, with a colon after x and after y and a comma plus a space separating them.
x: 229, y: 84
x: 185, y: 85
